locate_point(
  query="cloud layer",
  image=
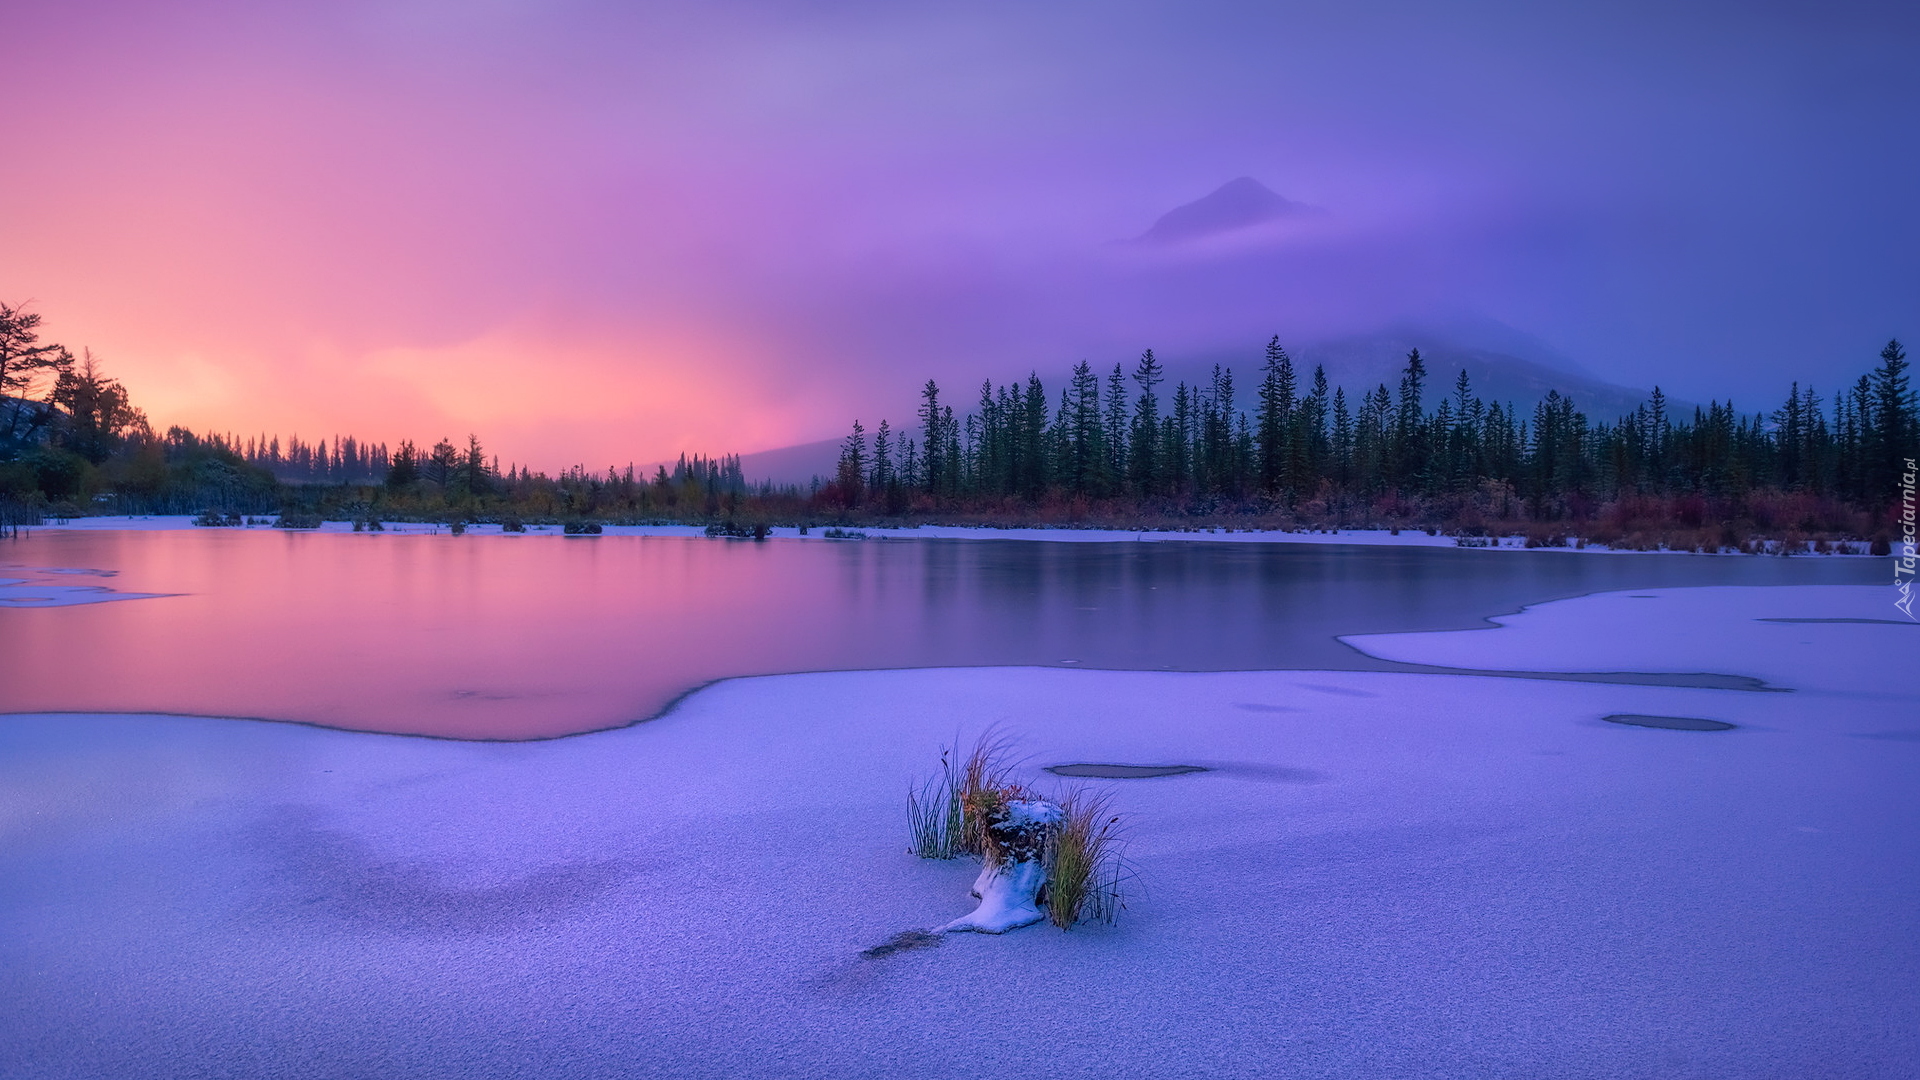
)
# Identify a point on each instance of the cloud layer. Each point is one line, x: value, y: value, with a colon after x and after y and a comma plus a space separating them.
x: 601, y: 234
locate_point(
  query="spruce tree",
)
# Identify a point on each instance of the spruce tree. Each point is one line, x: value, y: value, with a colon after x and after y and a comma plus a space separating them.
x: 1790, y: 438
x: 852, y: 471
x: 1463, y: 433
x: 1146, y: 469
x: 1086, y: 465
x: 950, y: 452
x: 1890, y: 437
x: 1275, y: 412
x: 473, y: 467
x: 1408, y: 434
x: 882, y: 457
x: 1307, y: 460
x: 1036, y: 471
x: 933, y: 429
x: 1341, y: 466
x: 1116, y: 431
x: 441, y: 467
x: 1178, y: 437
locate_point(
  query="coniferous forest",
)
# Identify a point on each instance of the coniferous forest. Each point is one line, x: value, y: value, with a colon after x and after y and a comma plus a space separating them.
x: 1292, y: 451
x: 1116, y: 449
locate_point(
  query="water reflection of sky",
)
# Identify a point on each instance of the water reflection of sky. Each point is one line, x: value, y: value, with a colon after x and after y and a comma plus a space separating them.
x: 484, y: 637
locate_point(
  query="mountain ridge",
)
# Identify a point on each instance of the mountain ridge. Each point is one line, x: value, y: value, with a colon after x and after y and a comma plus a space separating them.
x: 1240, y: 203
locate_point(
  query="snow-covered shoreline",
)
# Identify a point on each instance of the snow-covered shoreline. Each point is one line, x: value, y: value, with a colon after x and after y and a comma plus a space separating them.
x: 1348, y: 537
x: 1379, y: 874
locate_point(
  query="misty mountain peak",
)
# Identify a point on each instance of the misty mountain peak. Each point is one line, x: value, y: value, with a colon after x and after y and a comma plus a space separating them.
x: 1234, y: 205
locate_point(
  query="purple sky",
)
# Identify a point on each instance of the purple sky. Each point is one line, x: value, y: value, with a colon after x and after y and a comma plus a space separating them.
x: 610, y: 232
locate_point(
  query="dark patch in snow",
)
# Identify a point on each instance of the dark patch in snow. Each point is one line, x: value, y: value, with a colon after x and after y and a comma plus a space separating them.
x: 1123, y: 772
x: 1909, y: 735
x: 903, y: 941
x: 1255, y: 706
x: 1671, y: 723
x: 329, y: 874
x: 1267, y: 774
x: 1340, y: 690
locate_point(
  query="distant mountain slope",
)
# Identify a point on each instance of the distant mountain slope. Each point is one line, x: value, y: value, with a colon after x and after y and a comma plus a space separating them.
x: 1356, y: 363
x: 1235, y: 205
x: 1361, y: 363
x: 1514, y: 370
x: 793, y: 464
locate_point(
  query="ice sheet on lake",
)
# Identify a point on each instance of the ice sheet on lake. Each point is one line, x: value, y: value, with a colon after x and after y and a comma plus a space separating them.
x: 1839, y: 638
x: 1342, y: 537
x: 53, y: 586
x: 1483, y: 879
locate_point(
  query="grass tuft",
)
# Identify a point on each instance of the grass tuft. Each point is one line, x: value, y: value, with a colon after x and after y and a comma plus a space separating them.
x: 947, y: 813
x: 1083, y: 860
x: 934, y: 817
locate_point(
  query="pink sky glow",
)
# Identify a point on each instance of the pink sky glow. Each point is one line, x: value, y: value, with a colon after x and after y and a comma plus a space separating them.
x: 600, y: 234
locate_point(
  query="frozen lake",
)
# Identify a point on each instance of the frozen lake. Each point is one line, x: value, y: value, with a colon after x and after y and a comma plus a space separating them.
x: 1383, y: 867
x: 497, y: 637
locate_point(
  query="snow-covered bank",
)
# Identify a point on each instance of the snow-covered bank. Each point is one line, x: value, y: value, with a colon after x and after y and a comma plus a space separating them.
x: 1381, y: 875
x: 1361, y: 537
x: 1845, y: 640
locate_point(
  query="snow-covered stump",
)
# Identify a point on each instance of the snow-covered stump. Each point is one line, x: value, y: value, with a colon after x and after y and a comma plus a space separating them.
x: 1009, y: 884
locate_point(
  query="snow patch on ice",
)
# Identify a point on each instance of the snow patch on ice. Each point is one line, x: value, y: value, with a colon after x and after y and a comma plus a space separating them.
x: 1825, y: 637
x: 46, y: 587
x: 1487, y: 880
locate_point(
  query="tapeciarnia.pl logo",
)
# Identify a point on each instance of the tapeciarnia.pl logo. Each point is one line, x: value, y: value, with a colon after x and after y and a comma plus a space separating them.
x: 1903, y: 563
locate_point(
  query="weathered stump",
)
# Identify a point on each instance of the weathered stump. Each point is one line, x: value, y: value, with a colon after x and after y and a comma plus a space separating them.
x: 1009, y: 884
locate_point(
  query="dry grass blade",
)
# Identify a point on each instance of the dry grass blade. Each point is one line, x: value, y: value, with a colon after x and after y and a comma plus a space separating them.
x: 935, y: 817
x: 946, y: 814
x: 982, y: 782
x: 1084, y: 865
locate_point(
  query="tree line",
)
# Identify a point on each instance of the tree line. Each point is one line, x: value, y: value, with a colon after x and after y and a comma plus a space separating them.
x: 1114, y: 448
x: 1297, y: 446
x: 71, y: 442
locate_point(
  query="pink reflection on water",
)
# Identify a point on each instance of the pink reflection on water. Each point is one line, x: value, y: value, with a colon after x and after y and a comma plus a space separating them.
x: 505, y: 638
x: 527, y: 637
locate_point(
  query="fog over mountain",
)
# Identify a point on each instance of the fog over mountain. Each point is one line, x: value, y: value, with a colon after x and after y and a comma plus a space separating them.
x: 1209, y: 283
x: 1238, y: 204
